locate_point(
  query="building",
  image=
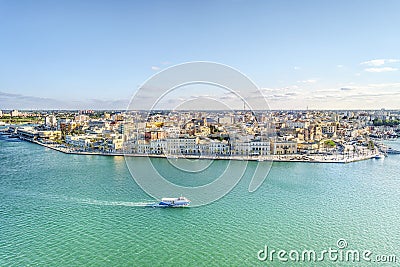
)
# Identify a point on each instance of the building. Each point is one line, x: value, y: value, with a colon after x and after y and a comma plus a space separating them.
x: 143, y: 147
x: 260, y: 148
x: 217, y: 147
x: 81, y: 119
x: 14, y: 113
x: 117, y: 117
x: 66, y: 125
x: 49, y: 135
x: 283, y: 147
x: 115, y: 144
x: 317, y: 133
x: 27, y: 133
x: 158, y: 146
x: 50, y: 121
x: 173, y: 132
x: 106, y: 116
x: 202, y: 130
x: 308, y: 147
x: 297, y: 124
x: 155, y: 134
x: 176, y: 146
x: 78, y: 140
x: 99, y: 124
x: 241, y: 148
x: 228, y: 120
x: 329, y: 130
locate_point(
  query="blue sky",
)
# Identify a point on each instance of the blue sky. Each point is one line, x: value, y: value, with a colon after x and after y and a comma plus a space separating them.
x: 95, y: 54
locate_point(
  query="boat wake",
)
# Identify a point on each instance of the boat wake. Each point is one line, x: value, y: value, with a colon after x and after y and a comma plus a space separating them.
x: 110, y: 203
x: 87, y: 201
x: 77, y: 200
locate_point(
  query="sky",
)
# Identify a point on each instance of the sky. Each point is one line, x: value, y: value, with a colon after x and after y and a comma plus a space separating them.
x: 97, y: 54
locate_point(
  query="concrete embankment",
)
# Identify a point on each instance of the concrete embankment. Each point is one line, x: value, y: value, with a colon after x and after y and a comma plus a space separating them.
x: 280, y: 158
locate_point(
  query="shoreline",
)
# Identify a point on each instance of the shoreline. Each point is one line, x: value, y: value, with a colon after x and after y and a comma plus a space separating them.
x: 269, y: 158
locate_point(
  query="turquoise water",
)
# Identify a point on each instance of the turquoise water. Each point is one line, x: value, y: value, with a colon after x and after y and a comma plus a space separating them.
x: 73, y: 210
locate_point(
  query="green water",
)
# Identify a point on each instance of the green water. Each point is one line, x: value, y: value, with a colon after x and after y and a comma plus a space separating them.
x: 73, y: 210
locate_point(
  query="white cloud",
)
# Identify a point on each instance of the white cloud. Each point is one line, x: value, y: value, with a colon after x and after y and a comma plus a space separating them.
x: 339, y: 66
x: 379, y: 62
x: 381, y: 69
x: 155, y: 68
x: 374, y: 62
x: 385, y: 85
x: 296, y: 68
x: 392, y: 60
x: 343, y: 96
x: 308, y: 81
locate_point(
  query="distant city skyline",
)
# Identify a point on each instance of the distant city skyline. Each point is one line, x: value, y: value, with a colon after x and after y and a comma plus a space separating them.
x: 96, y: 54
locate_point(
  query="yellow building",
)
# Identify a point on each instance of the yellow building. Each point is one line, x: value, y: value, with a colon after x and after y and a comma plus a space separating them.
x: 308, y: 147
x: 203, y: 131
x: 116, y: 144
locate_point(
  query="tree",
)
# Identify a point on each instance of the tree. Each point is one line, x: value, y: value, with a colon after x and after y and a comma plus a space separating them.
x: 371, y: 145
x: 330, y: 143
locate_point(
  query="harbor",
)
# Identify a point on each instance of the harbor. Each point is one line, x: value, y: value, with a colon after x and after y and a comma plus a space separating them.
x: 296, y: 136
x: 278, y: 158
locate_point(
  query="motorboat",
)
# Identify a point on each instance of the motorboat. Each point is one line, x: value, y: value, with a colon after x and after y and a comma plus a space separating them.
x: 170, y: 202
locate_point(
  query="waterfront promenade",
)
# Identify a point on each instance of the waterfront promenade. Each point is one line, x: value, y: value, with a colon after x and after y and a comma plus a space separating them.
x: 301, y: 136
x: 279, y: 158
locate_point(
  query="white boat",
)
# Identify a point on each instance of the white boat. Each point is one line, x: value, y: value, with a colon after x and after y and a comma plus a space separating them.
x: 379, y: 156
x: 170, y: 202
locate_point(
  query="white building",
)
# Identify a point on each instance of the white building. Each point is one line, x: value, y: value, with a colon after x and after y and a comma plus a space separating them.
x: 241, y: 148
x: 297, y: 124
x: 259, y: 148
x: 78, y: 140
x: 50, y: 120
x: 181, y: 146
x: 217, y: 147
x: 143, y: 147
x: 14, y: 113
x: 173, y: 132
x: 158, y: 146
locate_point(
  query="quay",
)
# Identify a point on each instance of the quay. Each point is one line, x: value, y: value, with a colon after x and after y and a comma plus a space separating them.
x: 269, y: 158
